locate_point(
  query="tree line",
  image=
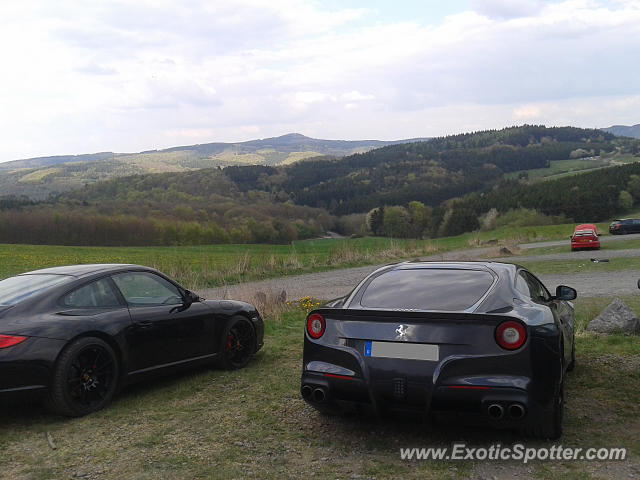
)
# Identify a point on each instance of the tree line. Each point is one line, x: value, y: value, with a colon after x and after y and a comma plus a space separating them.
x: 424, y: 189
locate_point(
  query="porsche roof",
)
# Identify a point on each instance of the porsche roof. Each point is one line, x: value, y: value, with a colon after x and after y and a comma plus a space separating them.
x: 81, y: 270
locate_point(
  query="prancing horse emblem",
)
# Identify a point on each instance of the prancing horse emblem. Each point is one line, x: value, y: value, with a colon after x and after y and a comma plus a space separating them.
x: 402, y: 332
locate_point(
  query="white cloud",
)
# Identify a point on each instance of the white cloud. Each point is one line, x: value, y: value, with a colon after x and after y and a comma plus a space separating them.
x: 80, y: 77
x: 507, y: 8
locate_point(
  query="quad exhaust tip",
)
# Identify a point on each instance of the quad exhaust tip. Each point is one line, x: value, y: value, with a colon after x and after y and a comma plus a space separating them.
x: 306, y: 391
x: 319, y: 395
x: 516, y: 411
x: 495, y: 411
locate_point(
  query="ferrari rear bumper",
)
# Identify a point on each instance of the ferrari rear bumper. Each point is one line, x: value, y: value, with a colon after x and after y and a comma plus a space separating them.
x: 501, y: 407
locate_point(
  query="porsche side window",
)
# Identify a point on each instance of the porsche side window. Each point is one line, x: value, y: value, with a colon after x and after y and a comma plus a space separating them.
x: 144, y: 288
x: 95, y: 294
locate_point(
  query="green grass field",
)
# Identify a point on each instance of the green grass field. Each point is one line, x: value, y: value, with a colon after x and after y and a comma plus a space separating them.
x: 215, y: 265
x: 559, y: 168
x: 252, y: 423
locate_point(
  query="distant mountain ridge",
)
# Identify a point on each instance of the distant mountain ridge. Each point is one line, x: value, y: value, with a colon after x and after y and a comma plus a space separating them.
x: 39, y: 177
x: 291, y: 142
x: 296, y: 142
x: 632, y: 131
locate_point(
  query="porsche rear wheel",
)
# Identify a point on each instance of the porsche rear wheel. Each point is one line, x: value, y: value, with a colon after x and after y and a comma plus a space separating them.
x: 85, y: 378
x: 238, y: 343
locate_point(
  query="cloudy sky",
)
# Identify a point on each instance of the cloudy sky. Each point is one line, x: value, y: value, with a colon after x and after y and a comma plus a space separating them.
x: 124, y: 76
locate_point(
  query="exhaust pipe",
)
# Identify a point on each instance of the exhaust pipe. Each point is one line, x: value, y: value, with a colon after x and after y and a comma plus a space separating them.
x: 495, y: 411
x: 319, y: 395
x: 516, y: 411
x: 306, y: 391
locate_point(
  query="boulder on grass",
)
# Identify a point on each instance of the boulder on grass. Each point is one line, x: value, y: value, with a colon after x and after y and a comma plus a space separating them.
x: 616, y: 318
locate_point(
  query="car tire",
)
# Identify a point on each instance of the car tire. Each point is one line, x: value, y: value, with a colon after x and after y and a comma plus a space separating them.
x: 85, y: 378
x: 238, y: 343
x: 550, y: 425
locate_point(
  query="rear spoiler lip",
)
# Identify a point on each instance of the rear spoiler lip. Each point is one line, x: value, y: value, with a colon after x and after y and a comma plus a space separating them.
x: 400, y: 315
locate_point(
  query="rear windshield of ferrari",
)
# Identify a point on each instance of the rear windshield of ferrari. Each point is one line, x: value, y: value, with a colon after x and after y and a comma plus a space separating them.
x: 427, y: 289
x: 16, y: 289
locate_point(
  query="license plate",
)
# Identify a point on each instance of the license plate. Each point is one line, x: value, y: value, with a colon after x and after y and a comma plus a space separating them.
x: 405, y: 351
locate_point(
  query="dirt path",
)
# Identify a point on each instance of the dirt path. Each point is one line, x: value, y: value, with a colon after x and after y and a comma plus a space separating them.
x: 586, y: 255
x: 560, y: 243
x: 335, y: 283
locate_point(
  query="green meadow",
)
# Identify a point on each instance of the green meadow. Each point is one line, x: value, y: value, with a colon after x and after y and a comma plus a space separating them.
x: 216, y: 265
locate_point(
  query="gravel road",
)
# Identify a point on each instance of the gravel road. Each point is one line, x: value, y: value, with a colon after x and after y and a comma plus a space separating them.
x: 560, y: 243
x: 335, y: 283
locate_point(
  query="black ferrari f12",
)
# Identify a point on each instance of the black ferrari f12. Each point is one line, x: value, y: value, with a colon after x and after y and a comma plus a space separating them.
x: 481, y: 342
x: 76, y: 334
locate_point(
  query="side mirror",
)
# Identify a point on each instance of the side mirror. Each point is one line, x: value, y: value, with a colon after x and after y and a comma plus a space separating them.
x: 638, y: 283
x: 190, y: 297
x: 567, y: 293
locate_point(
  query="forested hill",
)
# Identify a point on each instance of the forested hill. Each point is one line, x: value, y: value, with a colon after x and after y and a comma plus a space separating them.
x: 37, y: 178
x: 589, y: 197
x: 446, y: 183
x: 429, y: 172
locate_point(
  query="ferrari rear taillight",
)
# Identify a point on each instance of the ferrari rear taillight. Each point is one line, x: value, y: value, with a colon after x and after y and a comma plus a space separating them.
x: 316, y: 325
x: 10, y: 340
x: 511, y: 335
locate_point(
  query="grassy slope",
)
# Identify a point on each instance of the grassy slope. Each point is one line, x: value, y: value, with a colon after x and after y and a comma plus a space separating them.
x: 214, y: 265
x: 253, y: 424
x: 560, y: 167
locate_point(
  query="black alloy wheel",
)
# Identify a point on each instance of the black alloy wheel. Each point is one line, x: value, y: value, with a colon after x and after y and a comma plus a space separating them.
x: 85, y: 378
x: 239, y: 343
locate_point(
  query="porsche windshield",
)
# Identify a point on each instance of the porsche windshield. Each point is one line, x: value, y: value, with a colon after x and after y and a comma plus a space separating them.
x: 16, y: 289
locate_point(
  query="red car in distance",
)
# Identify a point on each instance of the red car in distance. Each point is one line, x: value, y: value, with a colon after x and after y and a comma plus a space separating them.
x: 585, y: 236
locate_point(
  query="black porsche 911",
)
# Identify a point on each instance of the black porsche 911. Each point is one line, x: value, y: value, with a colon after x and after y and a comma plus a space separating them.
x: 76, y: 334
x: 479, y: 342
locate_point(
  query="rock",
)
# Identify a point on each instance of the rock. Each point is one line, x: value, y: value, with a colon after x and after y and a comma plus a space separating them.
x: 505, y: 251
x: 617, y: 317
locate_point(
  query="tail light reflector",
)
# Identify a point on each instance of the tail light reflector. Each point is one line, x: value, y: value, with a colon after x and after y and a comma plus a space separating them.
x: 316, y: 325
x: 10, y: 340
x: 511, y: 335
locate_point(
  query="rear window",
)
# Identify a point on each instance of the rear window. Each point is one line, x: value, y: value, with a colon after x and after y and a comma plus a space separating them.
x: 16, y: 289
x: 427, y: 289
